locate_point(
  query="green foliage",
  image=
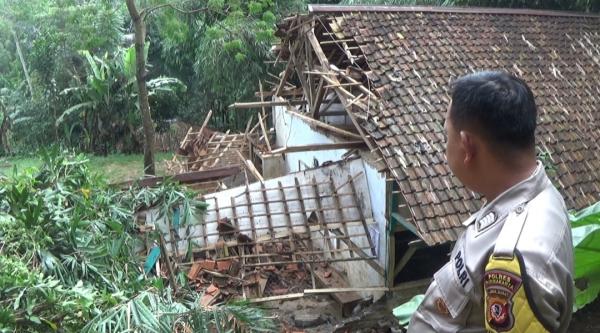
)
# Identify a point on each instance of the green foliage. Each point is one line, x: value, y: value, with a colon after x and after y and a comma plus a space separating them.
x: 68, y: 254
x: 152, y: 311
x: 106, y: 105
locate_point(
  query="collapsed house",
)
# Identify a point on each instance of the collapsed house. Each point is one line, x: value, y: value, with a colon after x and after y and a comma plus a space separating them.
x: 350, y: 163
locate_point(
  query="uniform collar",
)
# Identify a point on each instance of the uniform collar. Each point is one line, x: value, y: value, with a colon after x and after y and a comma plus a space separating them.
x: 518, y: 194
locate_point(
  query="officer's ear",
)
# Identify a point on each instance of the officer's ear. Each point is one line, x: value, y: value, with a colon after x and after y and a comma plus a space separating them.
x: 467, y: 142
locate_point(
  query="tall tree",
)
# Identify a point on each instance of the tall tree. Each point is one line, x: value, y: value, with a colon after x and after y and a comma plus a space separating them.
x: 140, y: 74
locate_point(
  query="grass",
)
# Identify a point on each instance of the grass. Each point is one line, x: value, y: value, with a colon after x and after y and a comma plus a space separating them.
x: 116, y: 167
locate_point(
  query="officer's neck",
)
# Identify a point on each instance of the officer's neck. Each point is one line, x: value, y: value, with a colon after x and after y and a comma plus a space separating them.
x: 506, y: 175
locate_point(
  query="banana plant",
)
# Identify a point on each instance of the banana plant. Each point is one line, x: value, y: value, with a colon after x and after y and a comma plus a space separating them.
x: 106, y: 103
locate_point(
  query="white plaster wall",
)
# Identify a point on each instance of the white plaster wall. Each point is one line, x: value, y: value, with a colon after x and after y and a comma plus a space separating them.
x: 377, y: 192
x: 292, y: 131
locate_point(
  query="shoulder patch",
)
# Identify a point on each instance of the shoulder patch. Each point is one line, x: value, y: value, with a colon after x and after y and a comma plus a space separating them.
x: 500, y: 287
x: 486, y: 221
x: 460, y: 268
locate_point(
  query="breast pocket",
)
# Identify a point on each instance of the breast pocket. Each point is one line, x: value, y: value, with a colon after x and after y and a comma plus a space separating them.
x: 446, y: 306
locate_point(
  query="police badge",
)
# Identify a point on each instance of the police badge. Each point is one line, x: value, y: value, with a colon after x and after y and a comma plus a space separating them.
x: 500, y: 286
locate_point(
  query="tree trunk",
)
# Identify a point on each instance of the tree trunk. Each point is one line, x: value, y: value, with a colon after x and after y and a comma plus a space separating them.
x: 18, y: 46
x: 140, y: 74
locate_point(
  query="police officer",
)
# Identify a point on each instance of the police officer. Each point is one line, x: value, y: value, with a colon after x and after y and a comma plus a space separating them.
x: 511, y: 269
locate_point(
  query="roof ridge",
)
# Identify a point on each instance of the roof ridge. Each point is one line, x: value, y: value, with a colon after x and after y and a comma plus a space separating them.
x: 317, y: 8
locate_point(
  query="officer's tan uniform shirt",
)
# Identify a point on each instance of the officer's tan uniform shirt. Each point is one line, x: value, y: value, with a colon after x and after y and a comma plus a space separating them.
x: 454, y: 300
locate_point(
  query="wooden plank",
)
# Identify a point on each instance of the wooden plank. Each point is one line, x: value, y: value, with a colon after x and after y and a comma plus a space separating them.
x: 325, y: 64
x: 340, y: 211
x: 250, y: 212
x: 362, y: 88
x: 188, y: 177
x: 362, y: 216
x: 324, y: 146
x: 254, y: 105
x: 267, y: 209
x: 264, y: 130
x: 234, y: 219
x: 319, y: 99
x: 343, y: 290
x: 288, y: 218
x: 326, y: 126
x: 262, y: 99
x: 368, y: 259
x: 343, y: 85
x: 303, y: 209
x: 185, y: 140
x: 285, y: 92
x: 334, y: 280
x: 205, y: 123
x: 321, y: 218
x: 218, y: 158
x: 275, y: 298
x: 309, y: 79
x: 215, y: 149
x: 284, y: 78
x: 250, y: 167
x: 412, y: 248
x: 328, y: 105
x: 391, y: 243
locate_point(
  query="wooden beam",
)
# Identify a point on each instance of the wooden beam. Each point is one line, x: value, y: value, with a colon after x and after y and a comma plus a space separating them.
x: 324, y: 146
x: 250, y: 167
x: 205, y: 123
x: 286, y: 74
x: 343, y: 85
x: 319, y: 99
x: 254, y: 105
x: 360, y: 212
x: 264, y: 130
x: 326, y: 126
x: 276, y: 298
x: 262, y: 99
x: 285, y: 92
x: 321, y: 218
x: 368, y: 259
x: 343, y: 290
x: 341, y: 91
x: 412, y: 248
x: 188, y: 177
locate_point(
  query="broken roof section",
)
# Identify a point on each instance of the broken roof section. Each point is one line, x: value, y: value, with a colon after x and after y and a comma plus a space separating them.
x: 390, y: 67
x: 311, y: 211
x: 204, y: 149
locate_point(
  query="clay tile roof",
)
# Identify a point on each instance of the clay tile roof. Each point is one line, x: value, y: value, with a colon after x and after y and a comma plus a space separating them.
x: 414, y: 52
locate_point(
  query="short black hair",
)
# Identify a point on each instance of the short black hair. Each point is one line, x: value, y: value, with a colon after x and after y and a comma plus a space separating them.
x: 498, y: 105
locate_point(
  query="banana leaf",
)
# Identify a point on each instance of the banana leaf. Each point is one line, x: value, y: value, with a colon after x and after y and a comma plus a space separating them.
x: 585, y: 226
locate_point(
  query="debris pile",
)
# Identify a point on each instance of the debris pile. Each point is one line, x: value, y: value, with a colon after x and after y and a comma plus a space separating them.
x: 205, y: 149
x: 224, y: 279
